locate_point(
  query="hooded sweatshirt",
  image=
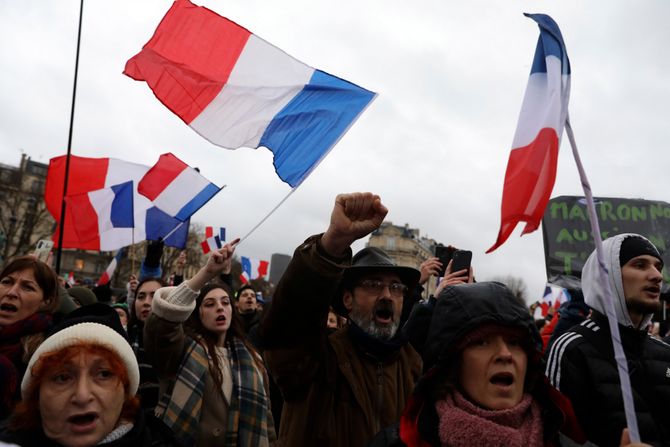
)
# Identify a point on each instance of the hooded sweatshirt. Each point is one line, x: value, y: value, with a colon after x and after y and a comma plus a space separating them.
x: 594, y: 292
x: 581, y: 362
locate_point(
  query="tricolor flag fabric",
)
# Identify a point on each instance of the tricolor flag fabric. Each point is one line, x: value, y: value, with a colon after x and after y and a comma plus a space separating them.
x: 176, y: 188
x: 106, y: 277
x: 103, y: 217
x: 209, y: 232
x: 237, y: 90
x: 70, y: 279
x: 531, y: 169
x: 91, y: 174
x: 210, y: 244
x: 253, y: 269
x: 553, y: 296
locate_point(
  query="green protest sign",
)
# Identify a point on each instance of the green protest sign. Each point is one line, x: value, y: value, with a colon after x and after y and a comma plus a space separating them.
x: 567, y: 231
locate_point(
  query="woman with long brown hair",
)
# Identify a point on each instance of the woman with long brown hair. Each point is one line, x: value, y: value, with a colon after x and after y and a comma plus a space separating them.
x: 214, y: 385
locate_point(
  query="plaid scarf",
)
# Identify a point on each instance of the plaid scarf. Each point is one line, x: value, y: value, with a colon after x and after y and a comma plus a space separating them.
x: 248, y: 413
x: 11, y: 354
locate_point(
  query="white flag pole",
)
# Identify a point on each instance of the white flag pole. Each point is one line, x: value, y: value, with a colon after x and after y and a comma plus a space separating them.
x: 619, y: 355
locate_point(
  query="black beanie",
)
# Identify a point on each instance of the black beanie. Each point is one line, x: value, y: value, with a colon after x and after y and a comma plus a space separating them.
x: 634, y: 246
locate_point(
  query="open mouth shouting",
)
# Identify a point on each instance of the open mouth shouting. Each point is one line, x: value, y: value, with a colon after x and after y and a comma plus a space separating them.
x: 653, y: 290
x: 502, y: 380
x: 8, y: 307
x: 383, y: 312
x: 221, y: 320
x: 83, y: 422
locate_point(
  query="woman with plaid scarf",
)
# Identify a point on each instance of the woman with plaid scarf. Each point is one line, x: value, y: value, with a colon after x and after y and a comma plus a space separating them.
x: 214, y: 385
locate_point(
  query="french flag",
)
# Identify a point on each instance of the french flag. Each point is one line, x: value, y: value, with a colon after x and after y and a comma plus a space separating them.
x: 210, y: 244
x: 209, y: 232
x: 176, y: 188
x: 253, y: 269
x: 103, y: 217
x: 531, y: 169
x: 89, y: 174
x: 109, y: 272
x: 237, y: 90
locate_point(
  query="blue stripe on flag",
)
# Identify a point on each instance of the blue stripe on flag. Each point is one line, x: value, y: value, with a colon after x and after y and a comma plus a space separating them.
x: 246, y: 266
x: 550, y: 43
x: 198, y: 201
x: 159, y: 224
x: 303, y: 132
x: 122, y: 206
x: 222, y: 234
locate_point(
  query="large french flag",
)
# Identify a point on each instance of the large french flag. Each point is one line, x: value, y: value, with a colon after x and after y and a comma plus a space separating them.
x: 237, y: 90
x: 103, y: 217
x: 531, y: 169
x: 89, y: 174
x: 253, y: 269
x: 176, y: 188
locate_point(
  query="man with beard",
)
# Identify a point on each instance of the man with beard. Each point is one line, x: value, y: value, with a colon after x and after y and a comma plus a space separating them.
x: 340, y: 389
x: 581, y: 362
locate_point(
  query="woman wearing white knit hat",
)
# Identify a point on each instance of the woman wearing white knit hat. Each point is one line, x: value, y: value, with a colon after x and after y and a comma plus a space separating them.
x: 79, y: 388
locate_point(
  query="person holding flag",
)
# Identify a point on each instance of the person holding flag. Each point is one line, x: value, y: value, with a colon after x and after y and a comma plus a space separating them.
x: 215, y: 382
x: 581, y: 362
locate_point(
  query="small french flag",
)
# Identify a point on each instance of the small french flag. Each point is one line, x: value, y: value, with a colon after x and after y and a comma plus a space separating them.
x: 209, y: 232
x: 107, y: 274
x: 176, y: 188
x: 211, y: 243
x: 253, y: 269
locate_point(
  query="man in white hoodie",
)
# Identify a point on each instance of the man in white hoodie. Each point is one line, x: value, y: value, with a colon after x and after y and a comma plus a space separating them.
x: 581, y: 362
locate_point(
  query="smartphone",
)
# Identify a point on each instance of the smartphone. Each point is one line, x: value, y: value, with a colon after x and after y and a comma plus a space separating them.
x: 461, y: 260
x: 444, y: 254
x: 43, y: 249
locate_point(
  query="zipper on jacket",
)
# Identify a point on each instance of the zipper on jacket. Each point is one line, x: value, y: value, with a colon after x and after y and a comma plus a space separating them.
x: 380, y: 396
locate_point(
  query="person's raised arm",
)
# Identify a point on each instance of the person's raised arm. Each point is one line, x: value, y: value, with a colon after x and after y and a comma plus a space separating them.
x: 217, y: 263
x: 354, y: 216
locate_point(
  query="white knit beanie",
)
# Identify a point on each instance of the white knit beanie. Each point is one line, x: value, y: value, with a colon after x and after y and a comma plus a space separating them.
x: 97, y: 324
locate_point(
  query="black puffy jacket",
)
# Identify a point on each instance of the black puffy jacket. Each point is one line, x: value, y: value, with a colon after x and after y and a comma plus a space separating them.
x: 439, y: 326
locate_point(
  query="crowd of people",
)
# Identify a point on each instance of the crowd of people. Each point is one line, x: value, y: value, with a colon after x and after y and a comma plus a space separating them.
x: 347, y: 353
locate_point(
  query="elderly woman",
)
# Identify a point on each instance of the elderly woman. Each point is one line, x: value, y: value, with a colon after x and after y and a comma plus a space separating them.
x: 79, y: 388
x: 486, y: 385
x: 214, y: 384
x: 28, y: 297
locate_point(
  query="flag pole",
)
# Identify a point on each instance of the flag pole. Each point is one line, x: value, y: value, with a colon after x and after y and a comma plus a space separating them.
x: 268, y: 215
x: 619, y: 355
x: 69, y: 145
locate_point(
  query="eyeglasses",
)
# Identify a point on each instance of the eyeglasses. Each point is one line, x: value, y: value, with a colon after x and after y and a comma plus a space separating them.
x: 372, y: 285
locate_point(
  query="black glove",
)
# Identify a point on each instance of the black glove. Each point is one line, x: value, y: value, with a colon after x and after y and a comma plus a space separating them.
x: 154, y: 253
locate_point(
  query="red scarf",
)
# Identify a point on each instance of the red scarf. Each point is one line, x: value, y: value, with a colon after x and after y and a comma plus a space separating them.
x: 11, y: 353
x: 462, y: 423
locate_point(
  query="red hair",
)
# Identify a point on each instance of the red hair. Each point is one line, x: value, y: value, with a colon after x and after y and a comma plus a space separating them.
x: 26, y: 415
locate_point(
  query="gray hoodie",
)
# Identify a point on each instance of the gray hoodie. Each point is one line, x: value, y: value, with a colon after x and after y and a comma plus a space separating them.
x: 594, y: 292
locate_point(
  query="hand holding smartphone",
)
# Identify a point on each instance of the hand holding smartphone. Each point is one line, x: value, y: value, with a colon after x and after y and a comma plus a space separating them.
x: 43, y: 249
x: 444, y: 254
x: 461, y: 260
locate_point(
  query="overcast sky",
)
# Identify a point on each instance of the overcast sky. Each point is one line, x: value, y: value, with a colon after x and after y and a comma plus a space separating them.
x: 434, y: 144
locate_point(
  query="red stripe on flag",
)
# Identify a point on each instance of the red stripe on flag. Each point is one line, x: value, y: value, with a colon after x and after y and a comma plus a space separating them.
x: 205, y: 247
x: 263, y: 268
x: 82, y: 219
x: 86, y: 174
x: 166, y: 169
x: 189, y: 58
x: 529, y: 179
x: 209, y: 232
